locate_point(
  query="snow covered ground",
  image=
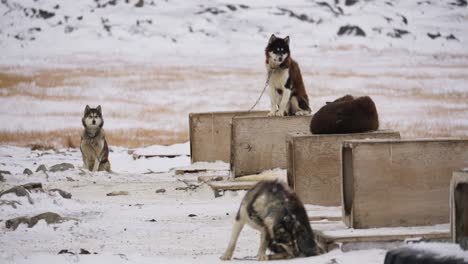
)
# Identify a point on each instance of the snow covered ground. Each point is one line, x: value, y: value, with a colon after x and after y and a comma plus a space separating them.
x: 177, y: 226
x: 121, y: 229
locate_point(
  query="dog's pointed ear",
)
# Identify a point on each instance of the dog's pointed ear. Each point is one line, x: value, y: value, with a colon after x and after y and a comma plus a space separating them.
x: 87, y: 109
x: 286, y: 39
x: 272, y: 38
x: 99, y: 109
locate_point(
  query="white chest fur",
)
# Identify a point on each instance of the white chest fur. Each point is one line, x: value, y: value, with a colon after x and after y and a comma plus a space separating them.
x: 278, y: 78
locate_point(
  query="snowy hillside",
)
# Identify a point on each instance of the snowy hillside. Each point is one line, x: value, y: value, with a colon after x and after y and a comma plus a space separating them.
x: 160, y: 31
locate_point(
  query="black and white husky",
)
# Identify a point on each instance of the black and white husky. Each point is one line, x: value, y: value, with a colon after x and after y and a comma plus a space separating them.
x: 287, y: 92
x: 94, y: 149
x: 276, y: 211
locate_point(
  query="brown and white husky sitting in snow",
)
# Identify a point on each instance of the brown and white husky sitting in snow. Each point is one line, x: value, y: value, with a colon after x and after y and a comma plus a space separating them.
x: 287, y: 92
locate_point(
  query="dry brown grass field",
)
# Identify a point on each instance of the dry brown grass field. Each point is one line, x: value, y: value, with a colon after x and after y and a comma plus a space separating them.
x: 146, y: 105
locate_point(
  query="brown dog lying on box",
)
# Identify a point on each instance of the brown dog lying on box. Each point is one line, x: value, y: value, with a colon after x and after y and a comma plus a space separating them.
x: 346, y: 115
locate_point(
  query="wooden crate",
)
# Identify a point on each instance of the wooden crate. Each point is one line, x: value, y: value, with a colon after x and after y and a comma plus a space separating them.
x: 389, y: 183
x: 210, y: 134
x: 314, y: 164
x: 459, y: 208
x: 259, y: 143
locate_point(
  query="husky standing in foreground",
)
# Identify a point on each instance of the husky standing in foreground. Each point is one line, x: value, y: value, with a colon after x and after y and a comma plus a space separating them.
x: 273, y: 209
x: 93, y: 142
x: 287, y: 92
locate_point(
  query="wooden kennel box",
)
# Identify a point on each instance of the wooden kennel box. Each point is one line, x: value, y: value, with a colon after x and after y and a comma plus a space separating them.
x: 259, y: 143
x: 210, y: 134
x: 389, y: 183
x: 314, y: 164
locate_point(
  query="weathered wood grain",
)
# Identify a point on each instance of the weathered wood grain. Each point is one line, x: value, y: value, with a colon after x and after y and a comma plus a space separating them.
x: 259, y: 143
x: 314, y: 164
x: 399, y: 182
x: 210, y: 134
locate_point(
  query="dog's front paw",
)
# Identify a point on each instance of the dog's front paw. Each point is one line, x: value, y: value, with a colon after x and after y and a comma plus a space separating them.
x: 271, y: 113
x: 302, y: 113
x: 226, y: 257
x: 262, y: 257
x: 281, y: 113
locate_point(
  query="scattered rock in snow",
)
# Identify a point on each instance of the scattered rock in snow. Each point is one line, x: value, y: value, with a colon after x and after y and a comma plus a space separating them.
x: 23, y: 190
x: 397, y: 33
x: 68, y: 29
x: 351, y: 30
x: 190, y: 186
x: 162, y: 190
x: 424, y: 2
x: 105, y: 24
x: 336, y: 12
x: 49, y: 217
x: 218, y: 178
x: 404, y: 19
x: 4, y: 172
x: 84, y: 252
x: 140, y: 3
x: 117, y: 193
x: 10, y: 203
x: 459, y: 3
x: 231, y: 7
x: 27, y: 172
x: 62, y: 193
x: 61, y: 167
x: 451, y: 37
x: 42, y: 168
x: 33, y: 185
x: 38, y: 13
x: 19, y: 191
x: 141, y: 22
x: 301, y: 17
x: 65, y: 251
x: 350, y: 2
x: 434, y: 36
x: 211, y: 10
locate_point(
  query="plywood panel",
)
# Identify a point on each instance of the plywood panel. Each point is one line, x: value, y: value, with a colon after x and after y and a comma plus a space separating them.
x: 314, y: 164
x: 400, y: 182
x: 259, y: 143
x: 210, y: 134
